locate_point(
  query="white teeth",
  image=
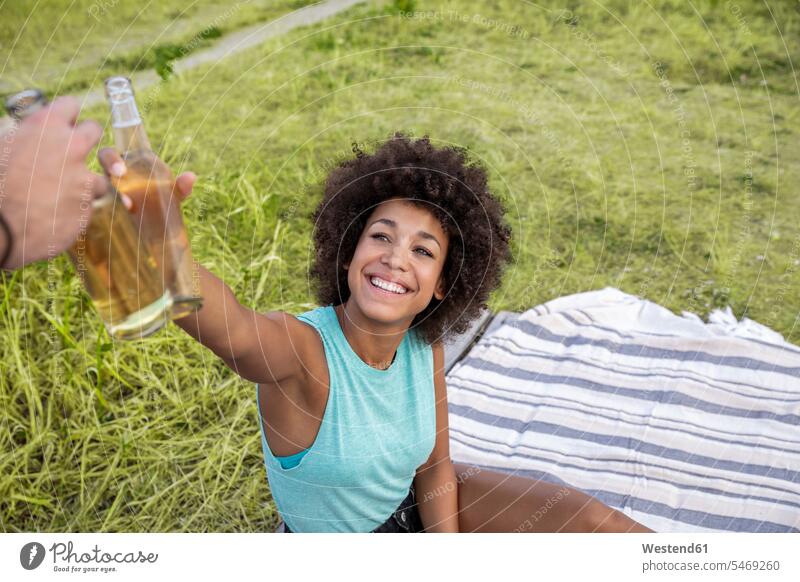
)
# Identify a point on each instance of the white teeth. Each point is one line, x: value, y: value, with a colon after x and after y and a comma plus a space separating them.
x: 387, y: 286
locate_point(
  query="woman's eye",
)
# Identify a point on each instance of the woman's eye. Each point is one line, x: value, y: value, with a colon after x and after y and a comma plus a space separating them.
x: 379, y: 235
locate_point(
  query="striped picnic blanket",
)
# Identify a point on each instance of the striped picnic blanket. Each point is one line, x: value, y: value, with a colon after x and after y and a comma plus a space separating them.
x: 684, y: 426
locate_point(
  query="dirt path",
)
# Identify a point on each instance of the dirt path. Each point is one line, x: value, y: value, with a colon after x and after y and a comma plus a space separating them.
x: 235, y: 42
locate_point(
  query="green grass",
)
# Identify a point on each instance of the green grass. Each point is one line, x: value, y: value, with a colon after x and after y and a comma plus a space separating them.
x: 65, y: 46
x: 582, y: 144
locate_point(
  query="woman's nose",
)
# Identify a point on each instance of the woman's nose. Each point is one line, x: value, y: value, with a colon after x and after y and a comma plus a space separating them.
x: 397, y: 258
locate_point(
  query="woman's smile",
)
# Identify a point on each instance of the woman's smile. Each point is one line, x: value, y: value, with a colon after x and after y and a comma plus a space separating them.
x: 384, y: 293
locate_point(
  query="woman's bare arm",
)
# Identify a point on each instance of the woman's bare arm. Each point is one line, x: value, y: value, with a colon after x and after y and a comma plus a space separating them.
x: 260, y: 347
x: 435, y: 483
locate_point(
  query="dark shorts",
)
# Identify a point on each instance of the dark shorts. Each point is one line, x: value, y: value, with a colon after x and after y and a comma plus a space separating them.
x: 405, y: 518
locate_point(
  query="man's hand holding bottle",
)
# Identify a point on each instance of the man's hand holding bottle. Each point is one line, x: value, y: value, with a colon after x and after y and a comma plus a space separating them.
x: 46, y: 189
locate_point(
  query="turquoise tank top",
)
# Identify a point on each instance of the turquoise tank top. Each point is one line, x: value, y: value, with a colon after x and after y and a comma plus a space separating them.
x: 378, y: 427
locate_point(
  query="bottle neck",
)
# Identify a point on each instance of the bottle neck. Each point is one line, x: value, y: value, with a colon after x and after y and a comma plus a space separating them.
x: 131, y: 138
x: 129, y: 134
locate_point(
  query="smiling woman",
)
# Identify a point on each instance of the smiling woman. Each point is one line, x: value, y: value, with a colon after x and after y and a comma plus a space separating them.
x: 351, y: 395
x: 410, y: 242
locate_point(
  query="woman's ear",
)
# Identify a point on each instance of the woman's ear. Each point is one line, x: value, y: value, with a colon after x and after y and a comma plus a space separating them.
x: 439, y: 291
x: 347, y: 265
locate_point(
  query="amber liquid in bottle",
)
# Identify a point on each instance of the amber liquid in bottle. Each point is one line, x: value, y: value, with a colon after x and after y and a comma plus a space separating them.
x: 118, y: 272
x: 149, y: 183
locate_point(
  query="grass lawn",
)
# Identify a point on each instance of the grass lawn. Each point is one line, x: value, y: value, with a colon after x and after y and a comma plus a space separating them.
x: 71, y: 45
x: 648, y: 146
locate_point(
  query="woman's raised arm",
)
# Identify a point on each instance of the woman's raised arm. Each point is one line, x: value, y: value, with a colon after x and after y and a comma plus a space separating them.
x: 260, y: 347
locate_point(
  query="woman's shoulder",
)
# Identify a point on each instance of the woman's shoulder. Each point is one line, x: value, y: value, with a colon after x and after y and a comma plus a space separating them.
x: 300, y: 327
x: 297, y: 337
x: 307, y: 344
x: 315, y: 323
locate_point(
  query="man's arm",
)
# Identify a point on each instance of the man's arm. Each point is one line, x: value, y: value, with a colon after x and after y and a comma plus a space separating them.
x: 435, y: 482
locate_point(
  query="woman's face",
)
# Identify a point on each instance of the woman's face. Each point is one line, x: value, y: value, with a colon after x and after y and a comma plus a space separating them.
x: 404, y: 244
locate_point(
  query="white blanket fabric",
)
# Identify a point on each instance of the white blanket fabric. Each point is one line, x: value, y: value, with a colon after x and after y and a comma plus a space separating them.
x: 683, y: 425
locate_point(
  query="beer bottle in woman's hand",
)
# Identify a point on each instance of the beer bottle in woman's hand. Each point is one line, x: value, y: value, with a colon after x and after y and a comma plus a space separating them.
x: 149, y: 184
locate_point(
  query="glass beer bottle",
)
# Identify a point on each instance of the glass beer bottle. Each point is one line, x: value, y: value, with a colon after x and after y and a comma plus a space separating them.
x: 149, y: 183
x: 117, y: 270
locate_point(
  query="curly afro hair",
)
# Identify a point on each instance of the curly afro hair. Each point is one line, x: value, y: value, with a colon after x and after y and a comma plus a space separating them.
x: 446, y: 184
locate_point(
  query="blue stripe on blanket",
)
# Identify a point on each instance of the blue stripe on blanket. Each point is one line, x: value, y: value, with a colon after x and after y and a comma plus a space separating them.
x: 614, y: 416
x: 643, y: 351
x: 660, y: 396
x: 694, y: 377
x: 623, y: 442
x: 730, y: 478
x: 782, y: 348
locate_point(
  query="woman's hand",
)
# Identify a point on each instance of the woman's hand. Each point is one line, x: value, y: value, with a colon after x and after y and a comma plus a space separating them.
x: 114, y: 166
